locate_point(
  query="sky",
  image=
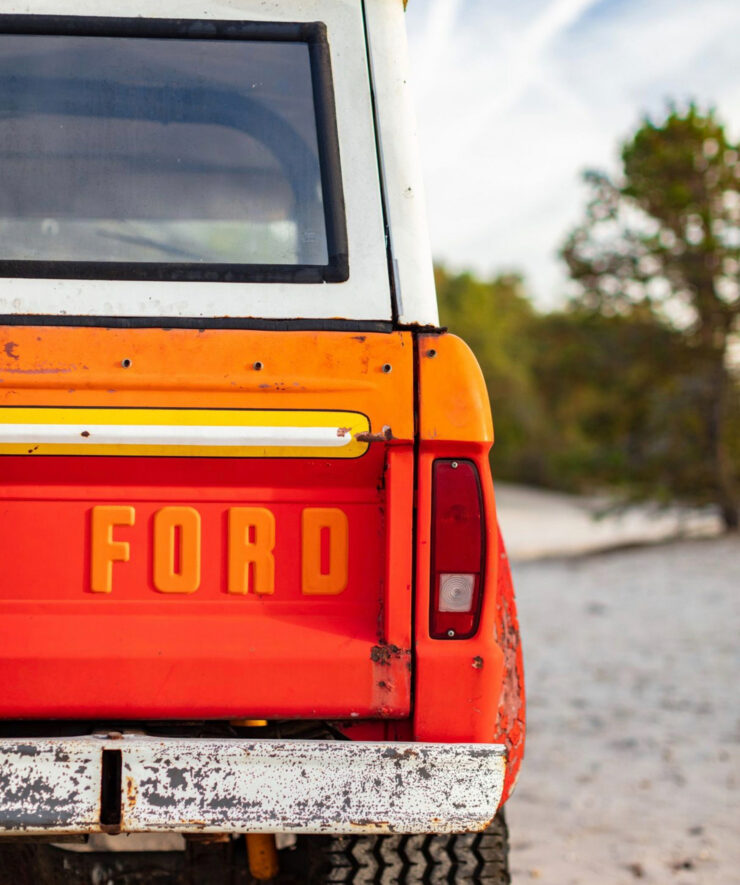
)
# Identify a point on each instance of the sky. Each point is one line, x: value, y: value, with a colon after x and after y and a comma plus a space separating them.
x: 515, y: 98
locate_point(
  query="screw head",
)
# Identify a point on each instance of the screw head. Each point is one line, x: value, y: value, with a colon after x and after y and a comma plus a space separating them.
x: 387, y: 367
x: 126, y: 363
x: 258, y: 366
x: 454, y: 465
x: 451, y: 634
x: 431, y: 353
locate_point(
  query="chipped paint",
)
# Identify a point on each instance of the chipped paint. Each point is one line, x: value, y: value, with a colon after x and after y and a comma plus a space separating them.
x: 511, y: 719
x: 203, y: 785
x: 385, y: 435
x: 384, y: 654
x: 49, y: 784
x: 311, y: 786
x: 392, y: 665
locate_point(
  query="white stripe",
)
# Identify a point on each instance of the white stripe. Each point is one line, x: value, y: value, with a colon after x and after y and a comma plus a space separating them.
x: 172, y: 435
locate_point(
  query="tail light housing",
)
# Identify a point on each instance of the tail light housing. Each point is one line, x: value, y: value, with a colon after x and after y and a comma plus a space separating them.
x: 458, y: 549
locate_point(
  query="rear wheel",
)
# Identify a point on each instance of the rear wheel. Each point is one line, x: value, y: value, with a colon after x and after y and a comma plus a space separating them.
x: 472, y: 858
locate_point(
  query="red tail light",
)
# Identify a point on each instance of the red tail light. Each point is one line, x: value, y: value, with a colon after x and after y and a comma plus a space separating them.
x: 458, y: 550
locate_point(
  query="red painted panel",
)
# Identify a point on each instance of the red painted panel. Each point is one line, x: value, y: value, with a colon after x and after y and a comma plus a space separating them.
x: 66, y: 650
x: 472, y: 689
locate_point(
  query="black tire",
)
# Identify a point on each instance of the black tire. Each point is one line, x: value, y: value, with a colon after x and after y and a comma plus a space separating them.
x: 471, y: 858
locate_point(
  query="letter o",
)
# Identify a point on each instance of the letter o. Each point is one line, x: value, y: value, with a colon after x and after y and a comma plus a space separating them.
x: 182, y: 576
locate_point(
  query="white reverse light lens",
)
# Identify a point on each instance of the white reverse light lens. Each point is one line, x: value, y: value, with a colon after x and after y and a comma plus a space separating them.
x: 456, y: 593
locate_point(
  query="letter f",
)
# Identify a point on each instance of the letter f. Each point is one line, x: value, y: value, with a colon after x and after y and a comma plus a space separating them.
x: 104, y: 551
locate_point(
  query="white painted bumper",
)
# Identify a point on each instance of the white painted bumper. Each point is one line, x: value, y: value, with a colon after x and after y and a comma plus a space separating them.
x: 53, y: 785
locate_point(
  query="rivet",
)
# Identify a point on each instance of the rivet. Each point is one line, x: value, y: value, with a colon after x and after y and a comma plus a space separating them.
x: 257, y: 366
x: 454, y: 465
x: 451, y: 634
x: 387, y: 367
x: 431, y: 354
x: 126, y: 363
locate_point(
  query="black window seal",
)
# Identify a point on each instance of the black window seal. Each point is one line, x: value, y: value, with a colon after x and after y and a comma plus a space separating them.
x: 296, y: 324
x: 314, y: 34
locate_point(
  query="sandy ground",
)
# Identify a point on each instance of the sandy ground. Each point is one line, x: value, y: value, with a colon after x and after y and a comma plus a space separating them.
x: 539, y: 523
x: 632, y: 770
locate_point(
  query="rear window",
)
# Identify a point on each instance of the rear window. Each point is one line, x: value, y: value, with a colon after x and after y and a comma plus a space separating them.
x: 192, y: 152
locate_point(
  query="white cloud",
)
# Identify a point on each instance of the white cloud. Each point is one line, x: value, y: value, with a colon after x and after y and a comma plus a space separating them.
x: 515, y: 99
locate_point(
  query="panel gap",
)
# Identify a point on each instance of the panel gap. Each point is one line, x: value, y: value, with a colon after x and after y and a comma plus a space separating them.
x: 110, y: 788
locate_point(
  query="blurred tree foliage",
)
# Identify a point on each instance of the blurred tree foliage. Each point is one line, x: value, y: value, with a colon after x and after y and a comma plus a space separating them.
x: 629, y: 387
x: 664, y: 242
x: 619, y: 391
x: 496, y: 319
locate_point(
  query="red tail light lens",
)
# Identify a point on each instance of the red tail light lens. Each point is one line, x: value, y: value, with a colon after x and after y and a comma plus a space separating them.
x: 458, y: 549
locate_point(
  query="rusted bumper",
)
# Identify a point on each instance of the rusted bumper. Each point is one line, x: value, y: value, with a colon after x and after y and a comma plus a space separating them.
x: 141, y: 784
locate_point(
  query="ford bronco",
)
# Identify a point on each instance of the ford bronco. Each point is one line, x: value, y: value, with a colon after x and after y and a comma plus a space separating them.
x: 253, y: 590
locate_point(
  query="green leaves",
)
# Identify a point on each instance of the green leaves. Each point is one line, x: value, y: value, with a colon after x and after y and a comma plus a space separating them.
x: 662, y: 244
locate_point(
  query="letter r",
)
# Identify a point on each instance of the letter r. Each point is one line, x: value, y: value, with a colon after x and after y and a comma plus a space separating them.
x: 251, y: 542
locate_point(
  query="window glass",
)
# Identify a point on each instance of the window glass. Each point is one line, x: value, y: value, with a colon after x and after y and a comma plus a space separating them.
x: 158, y: 150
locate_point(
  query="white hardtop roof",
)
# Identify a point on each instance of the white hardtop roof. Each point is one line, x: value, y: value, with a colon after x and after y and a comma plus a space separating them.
x: 367, y: 294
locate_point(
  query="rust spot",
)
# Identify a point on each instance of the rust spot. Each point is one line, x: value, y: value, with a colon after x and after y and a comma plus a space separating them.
x: 208, y: 838
x: 385, y: 435
x: 384, y: 654
x: 477, y: 662
x: 390, y: 660
x: 343, y: 431
x: 131, y: 792
x: 383, y: 711
x: 380, y: 825
x: 510, y: 724
x: 510, y: 704
x: 38, y: 371
x: 85, y: 433
x: 394, y: 753
x: 9, y: 348
x: 111, y: 829
x: 359, y: 338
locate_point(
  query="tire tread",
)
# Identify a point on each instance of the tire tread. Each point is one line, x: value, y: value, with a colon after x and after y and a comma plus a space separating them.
x: 470, y: 858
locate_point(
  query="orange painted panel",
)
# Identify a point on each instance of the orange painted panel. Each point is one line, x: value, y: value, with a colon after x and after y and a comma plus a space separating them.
x: 453, y: 399
x: 473, y: 689
x: 212, y: 368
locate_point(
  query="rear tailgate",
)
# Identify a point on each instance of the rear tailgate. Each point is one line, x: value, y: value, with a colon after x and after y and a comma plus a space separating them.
x: 143, y: 470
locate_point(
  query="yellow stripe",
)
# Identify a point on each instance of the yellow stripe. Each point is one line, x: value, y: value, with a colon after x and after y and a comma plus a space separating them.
x: 351, y: 422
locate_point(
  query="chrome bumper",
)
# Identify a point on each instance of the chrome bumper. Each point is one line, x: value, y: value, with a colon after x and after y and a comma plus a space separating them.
x: 138, y: 784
